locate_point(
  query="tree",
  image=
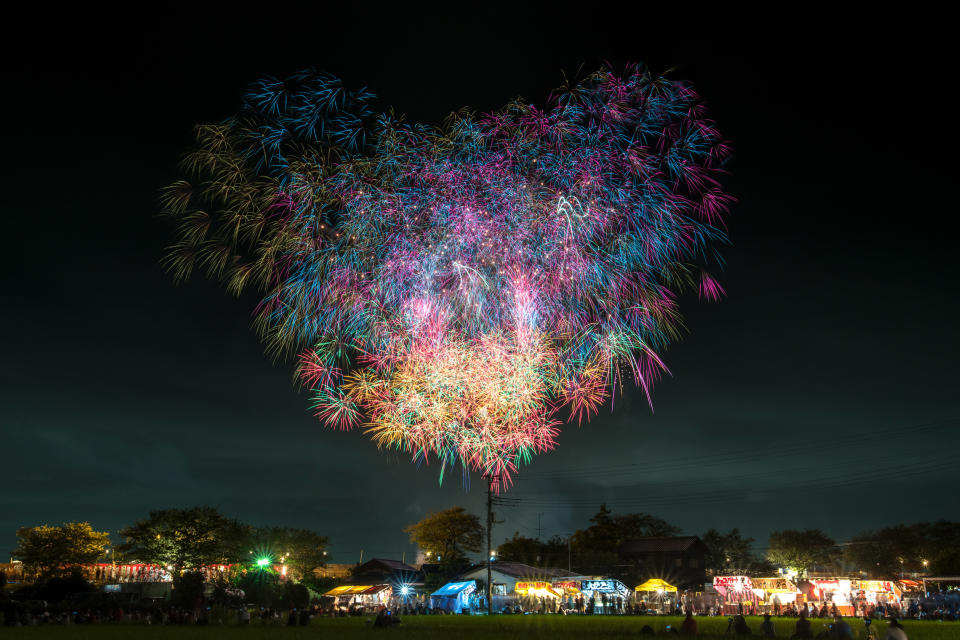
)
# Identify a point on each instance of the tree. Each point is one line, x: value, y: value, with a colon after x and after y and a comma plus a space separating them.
x: 48, y: 549
x: 800, y: 550
x: 595, y: 549
x: 533, y: 551
x: 729, y: 553
x: 448, y: 534
x: 185, y: 539
x: 520, y: 549
x: 892, y: 551
x: 301, y: 550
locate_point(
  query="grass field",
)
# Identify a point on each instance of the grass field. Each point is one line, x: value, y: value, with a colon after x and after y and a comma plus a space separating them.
x: 461, y: 628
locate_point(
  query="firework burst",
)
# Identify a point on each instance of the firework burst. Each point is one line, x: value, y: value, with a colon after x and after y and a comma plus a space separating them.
x: 451, y: 290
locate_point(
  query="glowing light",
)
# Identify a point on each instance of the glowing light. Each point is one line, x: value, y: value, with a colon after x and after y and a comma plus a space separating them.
x: 450, y: 290
x: 404, y: 590
x: 263, y: 562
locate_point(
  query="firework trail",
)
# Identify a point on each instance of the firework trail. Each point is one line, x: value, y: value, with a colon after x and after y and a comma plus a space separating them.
x: 451, y: 289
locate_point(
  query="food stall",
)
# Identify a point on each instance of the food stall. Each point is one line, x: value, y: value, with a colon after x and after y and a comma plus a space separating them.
x: 871, y: 593
x: 656, y: 593
x: 360, y: 597
x: 533, y: 594
x: 453, y: 596
x: 775, y: 593
x: 604, y: 591
x: 833, y: 592
x: 568, y: 591
x: 737, y: 594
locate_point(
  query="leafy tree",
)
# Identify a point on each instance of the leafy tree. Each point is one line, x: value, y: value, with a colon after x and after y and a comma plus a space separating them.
x: 890, y: 551
x: 48, y: 549
x: 729, y: 553
x: 520, y: 549
x: 595, y: 548
x: 800, y: 550
x: 301, y: 550
x: 185, y: 539
x: 449, y: 534
x: 534, y: 551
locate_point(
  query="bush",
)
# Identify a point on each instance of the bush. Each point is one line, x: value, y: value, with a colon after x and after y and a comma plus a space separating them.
x: 294, y: 596
x: 60, y: 588
x: 188, y: 589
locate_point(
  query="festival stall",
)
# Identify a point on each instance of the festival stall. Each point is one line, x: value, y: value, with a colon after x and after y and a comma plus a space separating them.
x: 656, y: 593
x: 538, y: 593
x: 604, y: 593
x: 737, y: 594
x: 872, y: 593
x: 833, y: 592
x: 568, y: 591
x: 360, y: 597
x: 453, y: 596
x: 775, y: 593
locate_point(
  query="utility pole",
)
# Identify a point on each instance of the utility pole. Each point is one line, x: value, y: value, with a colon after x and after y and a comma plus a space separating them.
x: 489, y: 541
x: 539, y: 528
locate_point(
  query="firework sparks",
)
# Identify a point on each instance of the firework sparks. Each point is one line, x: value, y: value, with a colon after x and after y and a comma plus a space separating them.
x: 451, y: 290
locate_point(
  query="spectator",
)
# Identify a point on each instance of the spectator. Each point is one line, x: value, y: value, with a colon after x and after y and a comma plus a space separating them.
x: 895, y: 630
x: 689, y: 626
x: 766, y: 628
x: 840, y: 630
x: 802, y: 629
x: 738, y: 625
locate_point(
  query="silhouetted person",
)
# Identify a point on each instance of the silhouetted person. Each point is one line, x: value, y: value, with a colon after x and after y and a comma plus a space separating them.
x: 840, y: 630
x: 766, y: 627
x: 895, y: 630
x: 802, y: 630
x: 689, y: 626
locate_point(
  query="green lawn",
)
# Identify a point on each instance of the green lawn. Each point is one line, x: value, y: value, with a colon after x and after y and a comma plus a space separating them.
x: 461, y: 628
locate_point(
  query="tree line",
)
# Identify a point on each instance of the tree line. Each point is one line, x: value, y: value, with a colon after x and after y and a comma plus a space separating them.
x: 181, y: 540
x: 187, y: 540
x: 889, y: 552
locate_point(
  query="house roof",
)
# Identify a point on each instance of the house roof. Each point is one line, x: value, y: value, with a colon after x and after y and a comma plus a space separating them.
x: 520, y: 570
x: 660, y: 545
x: 392, y: 565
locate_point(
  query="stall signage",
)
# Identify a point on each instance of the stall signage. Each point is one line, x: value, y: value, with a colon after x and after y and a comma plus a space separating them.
x: 604, y: 586
x: 569, y: 584
x: 527, y: 586
x: 733, y: 583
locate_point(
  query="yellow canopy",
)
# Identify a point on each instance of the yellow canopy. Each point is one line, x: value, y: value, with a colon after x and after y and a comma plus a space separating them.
x: 656, y: 584
x: 347, y: 590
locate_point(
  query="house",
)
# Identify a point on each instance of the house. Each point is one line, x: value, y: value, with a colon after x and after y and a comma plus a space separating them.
x: 680, y: 560
x: 504, y: 576
x: 383, y: 571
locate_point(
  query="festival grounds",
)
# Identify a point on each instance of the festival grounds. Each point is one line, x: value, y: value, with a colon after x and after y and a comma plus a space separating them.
x: 468, y: 627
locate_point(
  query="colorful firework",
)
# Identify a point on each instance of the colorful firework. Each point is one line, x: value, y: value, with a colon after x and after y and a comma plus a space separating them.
x: 453, y: 289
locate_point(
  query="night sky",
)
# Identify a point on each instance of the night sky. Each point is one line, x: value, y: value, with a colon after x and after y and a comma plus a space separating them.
x: 820, y: 393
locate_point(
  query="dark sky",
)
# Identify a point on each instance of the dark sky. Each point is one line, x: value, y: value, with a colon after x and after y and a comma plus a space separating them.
x: 820, y: 393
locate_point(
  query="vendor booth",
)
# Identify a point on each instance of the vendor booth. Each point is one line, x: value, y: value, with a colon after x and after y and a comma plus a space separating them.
x: 832, y: 592
x: 538, y: 596
x: 776, y: 594
x: 568, y: 591
x: 656, y: 595
x: 868, y: 594
x: 453, y: 596
x: 737, y: 595
x: 360, y: 598
x: 605, y: 595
